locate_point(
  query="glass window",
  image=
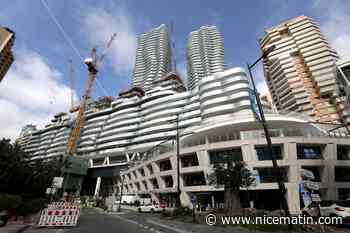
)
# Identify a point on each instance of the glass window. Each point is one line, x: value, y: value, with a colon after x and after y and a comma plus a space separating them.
x: 267, y: 175
x: 221, y: 155
x: 165, y: 165
x: 189, y: 160
x: 309, y: 152
x: 194, y: 179
x: 342, y: 174
x: 150, y: 168
x: 168, y: 181
x: 262, y: 152
x: 343, y: 152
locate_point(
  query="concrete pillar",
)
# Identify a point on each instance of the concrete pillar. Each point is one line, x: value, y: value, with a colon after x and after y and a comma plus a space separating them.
x: 155, y: 197
x: 290, y: 151
x: 212, y: 201
x: 185, y: 199
x: 328, y: 176
x: 97, y: 187
x: 203, y: 158
x: 293, y: 198
x: 248, y: 153
x: 173, y: 161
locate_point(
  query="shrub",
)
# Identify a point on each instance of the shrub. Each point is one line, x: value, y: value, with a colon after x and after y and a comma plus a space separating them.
x: 166, y: 214
x: 9, y: 202
x: 182, y: 211
x: 31, y: 206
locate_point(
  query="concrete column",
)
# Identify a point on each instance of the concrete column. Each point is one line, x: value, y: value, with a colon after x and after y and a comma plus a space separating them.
x: 97, y: 187
x: 155, y: 197
x: 290, y: 151
x: 185, y: 199
x: 248, y: 153
x: 203, y: 158
x: 330, y: 157
x: 155, y: 167
x: 293, y: 198
x: 294, y: 174
x: 173, y: 161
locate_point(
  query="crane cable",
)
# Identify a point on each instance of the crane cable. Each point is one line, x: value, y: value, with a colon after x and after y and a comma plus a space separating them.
x: 68, y: 39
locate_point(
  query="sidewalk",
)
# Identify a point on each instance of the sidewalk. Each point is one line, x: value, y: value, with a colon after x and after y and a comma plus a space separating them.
x: 14, y: 227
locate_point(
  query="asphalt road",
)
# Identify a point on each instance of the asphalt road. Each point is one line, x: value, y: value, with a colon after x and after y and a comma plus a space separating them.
x: 94, y: 221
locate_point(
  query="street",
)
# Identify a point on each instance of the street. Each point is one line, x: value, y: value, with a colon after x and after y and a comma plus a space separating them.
x: 94, y: 220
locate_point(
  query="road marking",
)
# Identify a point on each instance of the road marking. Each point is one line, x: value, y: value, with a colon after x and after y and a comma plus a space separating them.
x: 166, y: 226
x: 140, y: 224
x: 60, y: 231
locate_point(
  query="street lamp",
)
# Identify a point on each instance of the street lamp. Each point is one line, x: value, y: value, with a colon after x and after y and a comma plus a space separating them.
x: 277, y: 171
x: 178, y: 199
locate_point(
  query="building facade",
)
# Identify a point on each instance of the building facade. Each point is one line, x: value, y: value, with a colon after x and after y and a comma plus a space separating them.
x: 301, y: 71
x: 153, y: 57
x: 205, y: 54
x: 7, y: 40
x: 136, y: 120
x: 343, y: 78
x: 296, y: 144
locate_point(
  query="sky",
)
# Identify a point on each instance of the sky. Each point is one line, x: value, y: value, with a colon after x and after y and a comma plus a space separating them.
x: 49, y: 33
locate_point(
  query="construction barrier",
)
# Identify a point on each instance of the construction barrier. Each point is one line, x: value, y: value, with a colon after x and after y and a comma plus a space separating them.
x: 58, y: 214
x: 63, y: 205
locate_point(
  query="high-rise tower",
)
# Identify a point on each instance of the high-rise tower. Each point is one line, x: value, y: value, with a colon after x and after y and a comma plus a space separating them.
x: 301, y: 71
x: 153, y: 57
x: 7, y: 39
x: 205, y: 54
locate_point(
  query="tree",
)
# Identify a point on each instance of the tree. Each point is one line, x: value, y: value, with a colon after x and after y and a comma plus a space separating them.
x: 232, y: 175
x: 20, y: 176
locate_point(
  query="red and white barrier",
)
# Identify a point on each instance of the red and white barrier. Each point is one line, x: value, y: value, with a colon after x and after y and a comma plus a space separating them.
x: 63, y: 205
x: 59, y: 217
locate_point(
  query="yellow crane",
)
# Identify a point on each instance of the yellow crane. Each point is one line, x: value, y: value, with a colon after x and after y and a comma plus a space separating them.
x: 92, y: 65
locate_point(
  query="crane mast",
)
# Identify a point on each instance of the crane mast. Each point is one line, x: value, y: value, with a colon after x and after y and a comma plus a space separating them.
x: 92, y: 64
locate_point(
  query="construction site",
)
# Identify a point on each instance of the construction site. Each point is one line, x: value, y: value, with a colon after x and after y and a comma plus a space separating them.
x: 129, y: 141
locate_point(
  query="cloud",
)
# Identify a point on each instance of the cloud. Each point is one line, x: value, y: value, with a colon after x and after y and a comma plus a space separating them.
x: 259, y: 79
x: 31, y: 92
x: 182, y: 70
x: 99, y: 25
x: 335, y: 23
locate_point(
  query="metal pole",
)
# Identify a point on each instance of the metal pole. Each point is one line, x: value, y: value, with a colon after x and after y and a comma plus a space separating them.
x: 121, y: 195
x: 277, y: 171
x: 178, y: 200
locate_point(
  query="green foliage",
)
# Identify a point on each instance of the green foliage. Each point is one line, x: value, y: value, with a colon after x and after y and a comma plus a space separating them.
x: 21, y: 205
x: 9, y: 202
x: 233, y: 174
x: 30, y: 206
x: 19, y: 176
x: 166, y: 214
x: 182, y: 211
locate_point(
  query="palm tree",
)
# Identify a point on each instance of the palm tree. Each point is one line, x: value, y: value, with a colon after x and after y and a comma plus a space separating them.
x: 232, y: 175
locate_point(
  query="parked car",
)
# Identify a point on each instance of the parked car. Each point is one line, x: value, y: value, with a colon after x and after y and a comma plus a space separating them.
x: 3, y: 217
x: 150, y: 208
x: 335, y: 208
x: 330, y: 208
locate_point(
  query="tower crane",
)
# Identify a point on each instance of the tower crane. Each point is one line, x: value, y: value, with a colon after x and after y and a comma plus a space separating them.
x: 93, y: 64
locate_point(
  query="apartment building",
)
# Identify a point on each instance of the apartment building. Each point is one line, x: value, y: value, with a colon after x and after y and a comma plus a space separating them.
x: 301, y: 71
x: 297, y: 145
x: 205, y: 54
x: 137, y: 120
x: 153, y: 57
x: 7, y: 40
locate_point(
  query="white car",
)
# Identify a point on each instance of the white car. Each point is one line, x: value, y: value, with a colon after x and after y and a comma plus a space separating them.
x: 150, y: 208
x: 335, y: 208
